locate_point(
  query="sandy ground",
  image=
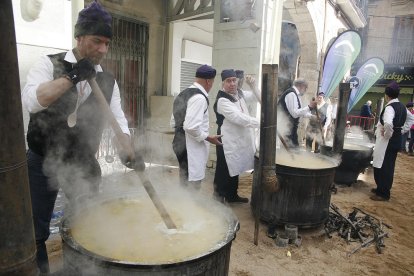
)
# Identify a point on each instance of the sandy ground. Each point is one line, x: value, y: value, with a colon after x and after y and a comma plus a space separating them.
x: 319, y: 255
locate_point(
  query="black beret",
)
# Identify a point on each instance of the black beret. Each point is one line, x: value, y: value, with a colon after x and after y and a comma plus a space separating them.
x: 392, y: 90
x: 94, y: 20
x: 239, y: 74
x: 205, y: 72
x: 228, y: 73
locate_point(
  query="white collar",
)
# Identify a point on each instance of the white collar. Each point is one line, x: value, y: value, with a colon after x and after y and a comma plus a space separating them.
x: 393, y: 101
x: 296, y: 90
x: 197, y: 85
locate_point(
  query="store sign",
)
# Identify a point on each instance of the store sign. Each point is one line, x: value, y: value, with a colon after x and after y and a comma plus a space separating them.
x: 403, y: 75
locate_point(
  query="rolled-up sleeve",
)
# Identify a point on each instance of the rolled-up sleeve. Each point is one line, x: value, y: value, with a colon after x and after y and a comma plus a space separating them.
x: 293, y: 107
x: 40, y: 73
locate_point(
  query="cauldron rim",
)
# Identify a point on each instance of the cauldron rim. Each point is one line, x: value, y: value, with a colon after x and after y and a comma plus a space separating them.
x: 334, y: 162
x: 65, y: 232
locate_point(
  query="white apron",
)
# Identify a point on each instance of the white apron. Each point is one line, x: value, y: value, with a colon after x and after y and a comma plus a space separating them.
x: 238, y: 136
x: 197, y: 151
x: 381, y: 144
x: 197, y: 155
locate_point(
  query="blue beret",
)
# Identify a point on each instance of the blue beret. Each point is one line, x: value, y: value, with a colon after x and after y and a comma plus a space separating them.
x: 206, y: 72
x: 239, y: 74
x: 228, y: 73
x: 94, y: 20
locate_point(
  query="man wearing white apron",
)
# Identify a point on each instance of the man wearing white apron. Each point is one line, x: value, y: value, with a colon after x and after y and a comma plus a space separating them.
x: 394, y: 120
x: 191, y: 123
x: 236, y: 125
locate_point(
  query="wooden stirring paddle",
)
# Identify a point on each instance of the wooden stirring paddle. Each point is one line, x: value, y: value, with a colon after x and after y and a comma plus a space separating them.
x: 103, y: 104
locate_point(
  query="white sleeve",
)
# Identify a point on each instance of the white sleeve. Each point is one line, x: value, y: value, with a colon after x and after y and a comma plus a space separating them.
x: 389, y: 114
x: 230, y: 111
x: 408, y: 122
x: 252, y: 95
x: 40, y: 73
x: 328, y: 116
x: 116, y: 109
x: 193, y: 122
x: 172, y: 121
x: 292, y: 106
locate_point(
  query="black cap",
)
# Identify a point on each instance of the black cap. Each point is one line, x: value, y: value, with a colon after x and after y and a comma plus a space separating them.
x: 205, y: 72
x: 392, y: 90
x: 239, y: 74
x: 94, y: 20
x: 228, y: 73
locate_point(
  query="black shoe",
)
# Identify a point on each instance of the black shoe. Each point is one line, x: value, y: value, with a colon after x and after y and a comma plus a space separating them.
x: 271, y: 232
x: 219, y: 198
x: 379, y: 198
x: 237, y: 199
x: 374, y: 191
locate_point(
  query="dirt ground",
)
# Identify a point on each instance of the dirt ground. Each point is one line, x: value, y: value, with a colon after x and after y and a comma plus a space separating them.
x: 319, y: 255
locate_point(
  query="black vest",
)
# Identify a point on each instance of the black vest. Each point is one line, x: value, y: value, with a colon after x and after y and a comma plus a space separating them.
x: 220, y: 117
x: 48, y: 130
x: 399, y: 117
x: 282, y: 104
x: 180, y: 106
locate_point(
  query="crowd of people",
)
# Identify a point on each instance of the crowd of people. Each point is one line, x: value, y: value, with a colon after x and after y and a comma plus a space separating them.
x: 62, y: 154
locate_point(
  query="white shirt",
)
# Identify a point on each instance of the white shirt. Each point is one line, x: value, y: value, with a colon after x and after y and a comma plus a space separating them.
x: 42, y: 72
x: 384, y: 132
x: 195, y: 122
x: 292, y: 105
x: 334, y: 110
x: 328, y: 114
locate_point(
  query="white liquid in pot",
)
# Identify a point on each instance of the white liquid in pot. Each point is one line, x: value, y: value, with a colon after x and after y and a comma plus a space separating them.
x: 303, y: 160
x: 131, y: 230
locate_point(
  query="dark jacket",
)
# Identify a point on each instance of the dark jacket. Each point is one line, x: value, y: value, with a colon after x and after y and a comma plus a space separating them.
x: 48, y: 130
x: 366, y: 111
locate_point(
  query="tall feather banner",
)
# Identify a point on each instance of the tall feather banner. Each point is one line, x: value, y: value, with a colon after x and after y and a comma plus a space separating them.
x: 368, y: 74
x: 338, y: 60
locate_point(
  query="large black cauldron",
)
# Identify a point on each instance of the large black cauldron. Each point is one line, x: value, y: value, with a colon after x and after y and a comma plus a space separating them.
x: 79, y: 261
x: 303, y: 197
x: 355, y: 159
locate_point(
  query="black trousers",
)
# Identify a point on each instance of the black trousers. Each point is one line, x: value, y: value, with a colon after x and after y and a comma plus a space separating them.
x: 385, y: 175
x: 45, y: 179
x: 292, y: 138
x: 224, y: 184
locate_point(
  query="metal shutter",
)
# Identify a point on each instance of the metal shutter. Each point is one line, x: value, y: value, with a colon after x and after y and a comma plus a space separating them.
x: 188, y: 70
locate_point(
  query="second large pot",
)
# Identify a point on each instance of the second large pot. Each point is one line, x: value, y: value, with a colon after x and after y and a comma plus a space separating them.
x: 303, y: 197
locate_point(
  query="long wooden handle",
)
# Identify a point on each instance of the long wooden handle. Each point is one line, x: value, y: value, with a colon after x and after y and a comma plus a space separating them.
x: 126, y: 146
x: 156, y: 200
x: 283, y: 142
x: 320, y: 126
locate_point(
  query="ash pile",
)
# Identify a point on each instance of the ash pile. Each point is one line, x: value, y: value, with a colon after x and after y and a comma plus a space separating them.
x: 358, y: 226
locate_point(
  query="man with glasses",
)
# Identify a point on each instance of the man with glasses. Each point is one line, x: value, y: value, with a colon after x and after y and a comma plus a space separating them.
x: 235, y: 124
